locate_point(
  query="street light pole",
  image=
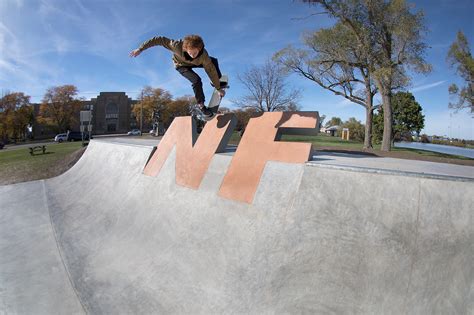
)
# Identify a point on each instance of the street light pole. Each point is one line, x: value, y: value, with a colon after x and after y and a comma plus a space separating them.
x: 141, y: 115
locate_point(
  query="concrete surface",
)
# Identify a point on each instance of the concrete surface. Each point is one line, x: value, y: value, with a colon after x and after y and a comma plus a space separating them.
x: 105, y: 239
x: 392, y: 165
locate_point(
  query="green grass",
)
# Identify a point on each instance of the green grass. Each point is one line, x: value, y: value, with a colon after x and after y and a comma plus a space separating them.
x: 325, y: 141
x: 337, y: 143
x: 54, y: 152
x: 16, y: 164
x: 316, y: 141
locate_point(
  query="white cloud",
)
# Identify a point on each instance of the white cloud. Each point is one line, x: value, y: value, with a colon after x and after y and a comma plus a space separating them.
x: 37, y: 41
x: 345, y: 103
x: 427, y: 86
x: 21, y: 71
x: 6, y: 67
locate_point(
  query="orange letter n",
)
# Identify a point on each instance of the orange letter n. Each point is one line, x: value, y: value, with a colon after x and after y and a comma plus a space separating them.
x: 192, y: 157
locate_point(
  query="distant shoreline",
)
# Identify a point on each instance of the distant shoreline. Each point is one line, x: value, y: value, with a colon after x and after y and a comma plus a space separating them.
x: 466, y: 152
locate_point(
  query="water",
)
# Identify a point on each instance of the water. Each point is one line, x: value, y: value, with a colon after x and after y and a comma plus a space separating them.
x: 437, y: 148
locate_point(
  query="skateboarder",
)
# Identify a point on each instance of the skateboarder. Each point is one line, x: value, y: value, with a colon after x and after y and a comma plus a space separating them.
x: 189, y: 53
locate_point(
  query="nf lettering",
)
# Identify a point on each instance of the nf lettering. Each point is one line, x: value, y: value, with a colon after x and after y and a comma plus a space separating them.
x: 258, y: 145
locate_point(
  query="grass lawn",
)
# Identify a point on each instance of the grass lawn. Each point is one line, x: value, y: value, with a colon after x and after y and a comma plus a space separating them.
x: 17, y: 165
x: 317, y: 141
x: 324, y: 142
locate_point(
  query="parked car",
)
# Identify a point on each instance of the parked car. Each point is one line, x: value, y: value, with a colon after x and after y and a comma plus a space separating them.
x: 60, y: 137
x: 134, y: 132
x: 76, y: 136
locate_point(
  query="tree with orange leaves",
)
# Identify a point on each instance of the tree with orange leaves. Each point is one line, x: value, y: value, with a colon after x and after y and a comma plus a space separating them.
x: 60, y: 108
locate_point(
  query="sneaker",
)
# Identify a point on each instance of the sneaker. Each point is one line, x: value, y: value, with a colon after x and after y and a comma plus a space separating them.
x: 224, y: 84
x: 207, y: 113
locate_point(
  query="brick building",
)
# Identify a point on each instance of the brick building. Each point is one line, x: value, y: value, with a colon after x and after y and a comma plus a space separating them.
x: 111, y: 114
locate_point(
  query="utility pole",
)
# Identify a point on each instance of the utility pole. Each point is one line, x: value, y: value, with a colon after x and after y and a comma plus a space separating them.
x: 141, y: 115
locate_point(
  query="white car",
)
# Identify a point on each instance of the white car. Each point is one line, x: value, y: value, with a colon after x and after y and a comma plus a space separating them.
x: 60, y: 137
x: 134, y: 132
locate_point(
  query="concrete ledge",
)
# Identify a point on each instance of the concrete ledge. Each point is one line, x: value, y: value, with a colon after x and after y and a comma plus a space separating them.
x: 390, y: 172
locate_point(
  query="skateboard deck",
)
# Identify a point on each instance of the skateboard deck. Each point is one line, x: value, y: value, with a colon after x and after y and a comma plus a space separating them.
x: 214, y: 103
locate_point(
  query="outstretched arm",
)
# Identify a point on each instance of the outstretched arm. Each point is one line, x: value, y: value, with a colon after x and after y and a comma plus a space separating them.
x: 155, y: 41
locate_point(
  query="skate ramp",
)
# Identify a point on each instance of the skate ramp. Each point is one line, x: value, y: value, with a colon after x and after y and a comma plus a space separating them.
x: 105, y: 239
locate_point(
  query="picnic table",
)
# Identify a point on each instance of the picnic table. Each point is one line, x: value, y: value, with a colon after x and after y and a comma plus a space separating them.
x: 38, y: 148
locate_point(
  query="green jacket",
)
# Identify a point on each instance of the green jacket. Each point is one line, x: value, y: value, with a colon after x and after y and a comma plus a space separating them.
x: 181, y: 58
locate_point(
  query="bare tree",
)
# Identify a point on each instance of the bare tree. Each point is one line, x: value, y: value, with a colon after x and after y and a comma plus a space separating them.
x: 267, y: 89
x: 391, y: 38
x: 333, y: 60
x: 460, y: 56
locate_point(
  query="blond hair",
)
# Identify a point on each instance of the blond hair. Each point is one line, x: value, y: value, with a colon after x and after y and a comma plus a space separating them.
x: 193, y: 41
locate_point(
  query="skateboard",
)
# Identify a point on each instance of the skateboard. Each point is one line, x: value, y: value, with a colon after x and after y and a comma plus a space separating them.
x: 214, y: 103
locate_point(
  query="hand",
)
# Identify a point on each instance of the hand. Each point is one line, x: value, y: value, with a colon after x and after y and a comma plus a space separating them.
x: 221, y: 92
x: 135, y: 52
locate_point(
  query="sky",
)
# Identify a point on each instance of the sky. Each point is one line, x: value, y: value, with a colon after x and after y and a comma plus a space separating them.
x: 46, y: 43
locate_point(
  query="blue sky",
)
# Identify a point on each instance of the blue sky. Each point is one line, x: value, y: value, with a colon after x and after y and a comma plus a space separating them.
x: 86, y: 43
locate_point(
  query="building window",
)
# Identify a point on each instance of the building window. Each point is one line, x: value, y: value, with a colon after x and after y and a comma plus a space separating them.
x: 111, y: 109
x: 111, y: 117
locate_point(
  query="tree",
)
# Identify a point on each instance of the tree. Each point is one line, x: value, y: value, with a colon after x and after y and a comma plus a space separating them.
x: 335, y: 61
x: 356, y: 129
x: 459, y: 56
x: 378, y: 126
x: 224, y: 110
x: 321, y: 121
x: 334, y: 121
x: 60, y: 108
x: 243, y: 117
x: 15, y: 115
x: 176, y: 108
x: 267, y: 89
x: 151, y: 100
x: 407, y: 117
x: 391, y: 38
x: 400, y: 37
